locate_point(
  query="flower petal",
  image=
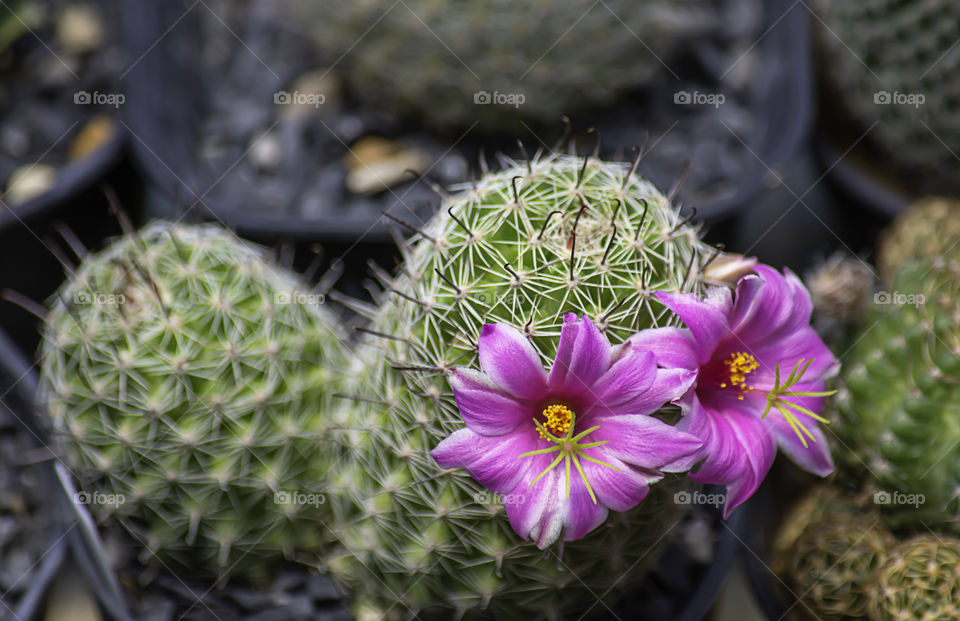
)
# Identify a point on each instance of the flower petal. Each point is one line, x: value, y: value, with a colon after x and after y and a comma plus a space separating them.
x: 738, y: 447
x: 802, y: 344
x: 668, y: 385
x: 642, y: 441
x: 491, y: 460
x: 630, y: 376
x: 674, y: 348
x: 620, y: 491
x: 815, y: 457
x: 707, y: 318
x: 769, y: 306
x: 583, y: 355
x: 533, y: 510
x: 484, y: 408
x: 511, y: 361
x: 542, y: 512
x: 580, y: 514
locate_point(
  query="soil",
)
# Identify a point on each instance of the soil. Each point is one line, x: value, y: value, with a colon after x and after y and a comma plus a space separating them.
x: 273, y: 161
x: 50, y: 89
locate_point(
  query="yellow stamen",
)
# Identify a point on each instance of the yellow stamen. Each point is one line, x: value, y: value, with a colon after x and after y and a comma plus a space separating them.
x: 741, y: 365
x: 558, y: 422
x: 775, y: 399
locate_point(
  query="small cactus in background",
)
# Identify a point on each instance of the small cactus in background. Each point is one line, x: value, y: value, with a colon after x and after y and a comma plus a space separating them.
x: 920, y: 581
x: 927, y: 231
x: 899, y: 406
x: 828, y: 551
x: 188, y: 380
x: 841, y: 287
x: 522, y: 247
x: 894, y: 64
x: 452, y: 63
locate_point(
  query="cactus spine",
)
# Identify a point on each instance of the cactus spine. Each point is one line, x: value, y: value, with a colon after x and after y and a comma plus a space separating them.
x: 522, y: 246
x: 189, y: 380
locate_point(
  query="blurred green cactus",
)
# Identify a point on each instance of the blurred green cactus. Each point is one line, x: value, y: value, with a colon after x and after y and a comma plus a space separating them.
x: 453, y: 63
x: 920, y: 581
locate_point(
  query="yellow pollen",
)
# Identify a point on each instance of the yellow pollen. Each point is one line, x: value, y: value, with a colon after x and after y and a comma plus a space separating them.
x: 558, y: 421
x: 741, y: 364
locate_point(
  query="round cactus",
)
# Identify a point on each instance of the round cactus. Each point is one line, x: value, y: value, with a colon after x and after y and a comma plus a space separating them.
x: 188, y: 380
x: 893, y: 63
x: 522, y: 246
x: 453, y: 63
x: 920, y: 581
x: 829, y: 551
x: 927, y: 231
x: 529, y: 243
x: 840, y: 288
x: 898, y: 406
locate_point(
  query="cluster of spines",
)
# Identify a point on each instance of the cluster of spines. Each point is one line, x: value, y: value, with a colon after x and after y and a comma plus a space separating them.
x: 929, y: 230
x: 828, y: 550
x: 185, y: 392
x: 920, y: 581
x: 522, y: 246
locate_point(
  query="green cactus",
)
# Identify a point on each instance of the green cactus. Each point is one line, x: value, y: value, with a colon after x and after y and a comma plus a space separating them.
x: 927, y: 231
x: 881, y: 57
x: 189, y: 380
x: 828, y: 551
x: 436, y: 60
x: 522, y: 246
x: 899, y: 407
x: 920, y: 581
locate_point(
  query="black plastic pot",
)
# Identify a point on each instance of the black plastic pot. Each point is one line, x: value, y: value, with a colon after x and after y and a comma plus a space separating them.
x: 695, y: 604
x: 783, y: 98
x: 763, y: 516
x: 30, y: 238
x: 166, y: 105
x: 858, y: 186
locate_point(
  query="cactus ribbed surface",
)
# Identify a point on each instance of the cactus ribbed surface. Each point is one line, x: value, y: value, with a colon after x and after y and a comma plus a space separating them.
x: 919, y: 582
x: 900, y: 405
x: 880, y: 57
x: 523, y: 246
x: 189, y: 381
x: 456, y: 62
